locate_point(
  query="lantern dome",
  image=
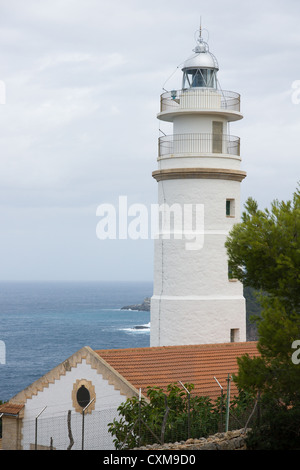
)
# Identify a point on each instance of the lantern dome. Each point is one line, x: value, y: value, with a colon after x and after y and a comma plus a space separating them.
x: 201, y: 60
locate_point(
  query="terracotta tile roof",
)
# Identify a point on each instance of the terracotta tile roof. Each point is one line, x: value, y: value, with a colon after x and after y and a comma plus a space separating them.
x: 195, y: 364
x: 11, y: 408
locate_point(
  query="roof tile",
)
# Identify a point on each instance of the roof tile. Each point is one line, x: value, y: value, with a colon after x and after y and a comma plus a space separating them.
x: 194, y: 364
x: 11, y: 408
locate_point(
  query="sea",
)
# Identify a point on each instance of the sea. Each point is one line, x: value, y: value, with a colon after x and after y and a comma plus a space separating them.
x: 44, y: 323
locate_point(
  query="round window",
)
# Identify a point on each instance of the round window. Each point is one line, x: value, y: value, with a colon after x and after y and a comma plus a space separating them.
x: 83, y: 396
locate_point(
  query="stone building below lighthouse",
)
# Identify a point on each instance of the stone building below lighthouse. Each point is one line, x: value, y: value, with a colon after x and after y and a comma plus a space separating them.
x: 195, y: 300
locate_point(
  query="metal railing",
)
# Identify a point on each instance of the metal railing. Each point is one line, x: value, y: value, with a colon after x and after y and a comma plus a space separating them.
x: 198, y: 144
x: 200, y: 98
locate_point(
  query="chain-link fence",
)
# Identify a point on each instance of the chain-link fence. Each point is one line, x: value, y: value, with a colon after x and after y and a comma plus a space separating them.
x: 71, y: 430
x: 68, y: 431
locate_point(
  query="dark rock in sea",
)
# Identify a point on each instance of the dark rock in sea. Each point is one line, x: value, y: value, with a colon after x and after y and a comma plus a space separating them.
x: 144, y: 307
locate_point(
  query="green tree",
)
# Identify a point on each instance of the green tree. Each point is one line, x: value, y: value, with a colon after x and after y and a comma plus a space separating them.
x: 264, y: 250
x: 164, y: 417
x: 264, y: 253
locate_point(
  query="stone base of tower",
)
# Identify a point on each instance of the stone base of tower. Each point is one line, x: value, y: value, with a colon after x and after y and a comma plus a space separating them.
x: 182, y: 321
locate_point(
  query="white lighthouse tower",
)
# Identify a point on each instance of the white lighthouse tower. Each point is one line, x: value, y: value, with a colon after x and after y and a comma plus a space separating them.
x: 194, y: 299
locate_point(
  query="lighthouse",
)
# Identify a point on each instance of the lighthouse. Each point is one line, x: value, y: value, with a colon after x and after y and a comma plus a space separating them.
x: 195, y: 300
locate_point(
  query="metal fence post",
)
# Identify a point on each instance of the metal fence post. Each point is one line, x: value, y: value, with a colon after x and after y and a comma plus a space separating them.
x: 36, y: 426
x: 221, y: 402
x: 227, y: 403
x: 189, y: 408
x: 140, y: 398
x: 83, y: 411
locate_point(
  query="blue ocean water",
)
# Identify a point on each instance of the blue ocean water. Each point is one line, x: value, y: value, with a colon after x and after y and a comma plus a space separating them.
x: 43, y: 323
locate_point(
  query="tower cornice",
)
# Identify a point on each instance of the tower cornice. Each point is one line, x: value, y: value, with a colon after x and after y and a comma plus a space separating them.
x: 199, y: 173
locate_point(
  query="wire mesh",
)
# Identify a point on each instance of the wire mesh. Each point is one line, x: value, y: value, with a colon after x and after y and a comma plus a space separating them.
x: 65, y: 431
x: 69, y: 431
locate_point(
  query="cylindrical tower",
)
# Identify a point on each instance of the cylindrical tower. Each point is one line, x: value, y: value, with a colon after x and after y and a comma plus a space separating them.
x: 194, y: 299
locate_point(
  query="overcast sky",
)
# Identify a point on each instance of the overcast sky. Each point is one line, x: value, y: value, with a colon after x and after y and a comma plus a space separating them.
x: 78, y: 127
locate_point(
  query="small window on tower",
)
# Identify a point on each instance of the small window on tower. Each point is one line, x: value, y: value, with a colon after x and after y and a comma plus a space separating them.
x: 217, y: 137
x: 230, y: 207
x: 231, y: 277
x: 234, y: 335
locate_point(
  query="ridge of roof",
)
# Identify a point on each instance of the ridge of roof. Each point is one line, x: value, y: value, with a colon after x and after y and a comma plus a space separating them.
x: 155, y: 349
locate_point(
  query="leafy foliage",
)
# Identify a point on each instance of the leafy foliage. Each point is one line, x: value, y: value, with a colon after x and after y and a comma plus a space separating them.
x: 264, y: 249
x: 264, y: 254
x: 169, y: 417
x: 280, y: 429
x: 163, y: 417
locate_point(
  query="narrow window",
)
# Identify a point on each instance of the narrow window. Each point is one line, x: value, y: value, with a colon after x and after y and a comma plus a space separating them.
x: 231, y: 277
x: 230, y: 207
x: 217, y: 136
x: 234, y: 335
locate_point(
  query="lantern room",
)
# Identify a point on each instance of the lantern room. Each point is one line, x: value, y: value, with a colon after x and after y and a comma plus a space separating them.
x: 200, y: 70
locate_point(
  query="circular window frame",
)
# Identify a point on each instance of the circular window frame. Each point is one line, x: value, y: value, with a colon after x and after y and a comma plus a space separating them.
x: 91, y: 389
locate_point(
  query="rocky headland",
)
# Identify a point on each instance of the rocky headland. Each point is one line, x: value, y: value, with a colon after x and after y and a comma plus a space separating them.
x: 143, y: 307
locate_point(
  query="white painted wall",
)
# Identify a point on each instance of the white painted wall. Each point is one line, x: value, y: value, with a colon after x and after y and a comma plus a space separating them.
x: 57, y: 398
x: 208, y: 161
x: 193, y: 301
x: 181, y: 320
x: 196, y: 123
